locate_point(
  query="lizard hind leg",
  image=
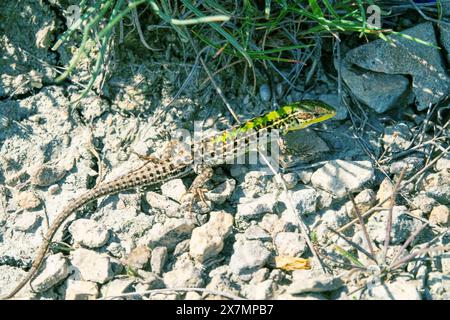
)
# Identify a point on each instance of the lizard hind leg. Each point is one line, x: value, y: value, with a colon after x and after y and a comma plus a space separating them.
x: 197, y: 190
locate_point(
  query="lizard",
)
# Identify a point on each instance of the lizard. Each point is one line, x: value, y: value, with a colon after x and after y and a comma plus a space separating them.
x: 232, y: 142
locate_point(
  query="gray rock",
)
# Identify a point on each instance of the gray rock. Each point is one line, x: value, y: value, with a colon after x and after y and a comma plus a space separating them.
x: 406, y: 57
x: 305, y: 176
x: 273, y: 224
x: 207, y: 240
x: 304, y: 281
x: 89, y: 233
x: 397, y: 137
x: 185, y: 275
x: 92, y: 266
x: 181, y: 247
x: 26, y: 221
x: 170, y: 233
x: 27, y: 200
x: 254, y: 209
x: 437, y: 186
x: 222, y: 192
x: 378, y: 91
x: 305, y: 200
x: 303, y: 146
x: 264, y: 92
x: 174, y: 189
x: 290, y: 179
x: 81, y: 290
x: 424, y: 202
x: 290, y: 244
x: 55, y: 270
x: 398, y: 290
x: 248, y: 257
x: 440, y: 215
x: 117, y: 287
x: 259, y: 291
x: 158, y: 260
x: 439, y: 285
x: 402, y: 225
x: 138, y: 257
x: 165, y: 204
x: 410, y: 164
x: 45, y: 175
x: 443, y: 163
x: 337, y: 176
x: 255, y: 232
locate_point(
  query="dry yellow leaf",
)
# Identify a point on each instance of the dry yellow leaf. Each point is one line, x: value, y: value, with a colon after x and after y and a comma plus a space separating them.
x: 287, y: 263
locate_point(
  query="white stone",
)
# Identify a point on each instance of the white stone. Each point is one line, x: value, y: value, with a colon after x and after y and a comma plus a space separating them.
x: 337, y: 176
x: 290, y: 244
x: 207, y: 240
x: 174, y: 189
x: 81, y: 290
x: 89, y: 233
x: 92, y: 266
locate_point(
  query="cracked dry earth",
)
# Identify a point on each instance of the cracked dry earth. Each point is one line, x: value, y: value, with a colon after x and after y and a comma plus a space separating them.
x: 143, y: 240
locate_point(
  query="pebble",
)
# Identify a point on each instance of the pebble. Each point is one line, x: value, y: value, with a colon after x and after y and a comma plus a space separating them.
x: 89, y: 233
x: 54, y: 270
x: 364, y: 201
x: 181, y: 247
x: 290, y: 244
x: 248, y: 257
x: 259, y: 291
x: 27, y: 200
x: 437, y: 186
x: 174, y: 189
x: 337, y: 176
x: 207, y: 240
x: 158, y: 260
x: 138, y: 257
x: 402, y: 225
x: 385, y: 192
x: 424, y: 202
x: 81, y: 290
x: 45, y: 175
x: 255, y: 232
x: 92, y: 266
x: 185, y: 275
x: 273, y: 224
x: 443, y: 163
x: 410, y: 164
x: 305, y: 176
x: 54, y: 189
x: 440, y: 215
x: 117, y: 287
x: 397, y: 137
x: 305, y: 201
x: 26, y: 221
x: 222, y: 192
x: 264, y: 92
x: 305, y: 281
x: 170, y: 233
x: 291, y: 179
x: 165, y: 204
x: 254, y: 209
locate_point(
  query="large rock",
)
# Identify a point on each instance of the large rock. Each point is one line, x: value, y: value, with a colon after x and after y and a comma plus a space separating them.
x: 404, y: 56
x: 337, y: 176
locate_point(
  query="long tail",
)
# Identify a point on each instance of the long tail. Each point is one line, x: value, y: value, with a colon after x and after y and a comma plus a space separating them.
x: 71, y: 208
x: 125, y: 182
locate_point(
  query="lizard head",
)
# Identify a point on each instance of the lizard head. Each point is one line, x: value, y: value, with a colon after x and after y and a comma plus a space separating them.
x: 299, y: 115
